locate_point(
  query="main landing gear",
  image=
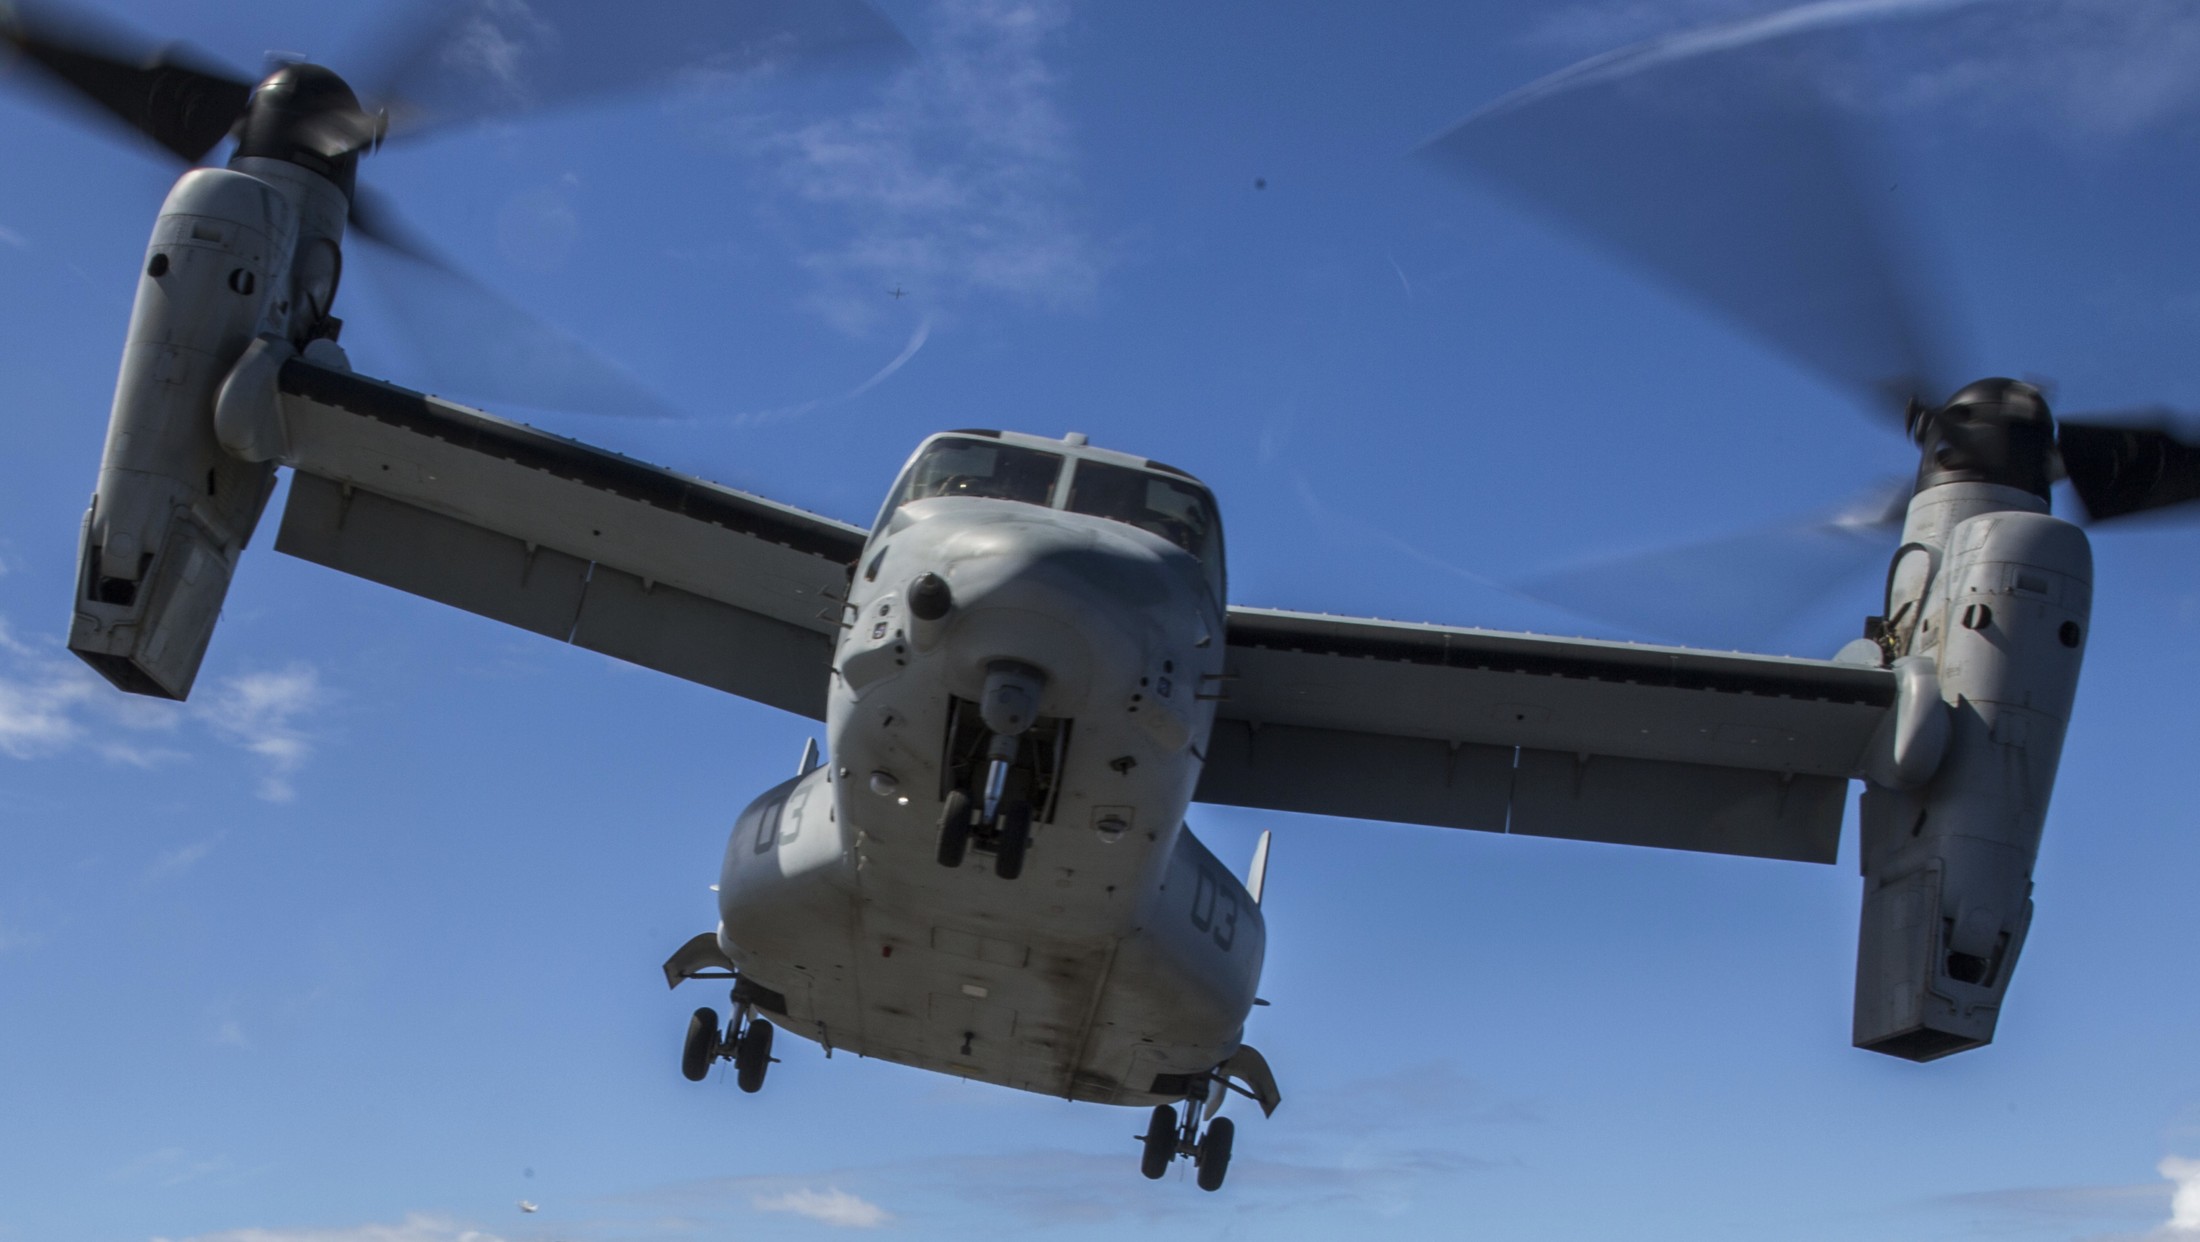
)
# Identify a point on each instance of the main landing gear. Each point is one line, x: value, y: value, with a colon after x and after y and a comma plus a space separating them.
x: 1166, y: 1138
x: 746, y: 1041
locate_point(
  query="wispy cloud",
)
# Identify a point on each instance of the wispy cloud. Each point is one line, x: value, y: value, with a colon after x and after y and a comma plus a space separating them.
x: 135, y: 756
x: 39, y: 703
x: 1278, y: 1170
x: 1411, y: 1095
x: 259, y: 712
x: 1346, y: 529
x: 416, y: 1227
x: 831, y: 1207
x: 171, y: 864
x: 13, y: 938
x: 959, y: 183
x: 2075, y: 68
x: 230, y: 1034
x: 2099, y: 1213
x: 171, y: 1166
x: 51, y: 704
x: 9, y: 237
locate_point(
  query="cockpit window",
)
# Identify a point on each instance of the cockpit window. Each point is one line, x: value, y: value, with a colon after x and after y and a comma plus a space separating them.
x: 1178, y: 510
x: 985, y: 469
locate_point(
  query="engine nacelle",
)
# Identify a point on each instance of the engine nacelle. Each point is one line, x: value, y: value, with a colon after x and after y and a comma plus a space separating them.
x: 172, y: 510
x: 2000, y: 599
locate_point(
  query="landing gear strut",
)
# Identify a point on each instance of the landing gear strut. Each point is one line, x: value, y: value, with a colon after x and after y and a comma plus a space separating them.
x: 954, y: 829
x: 1167, y: 1137
x: 997, y: 818
x: 746, y: 1041
x: 1007, y: 834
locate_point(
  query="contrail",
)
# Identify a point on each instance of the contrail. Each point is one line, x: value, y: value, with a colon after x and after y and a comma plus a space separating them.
x: 1401, y: 275
x: 916, y: 342
x: 1649, y: 54
x: 757, y: 418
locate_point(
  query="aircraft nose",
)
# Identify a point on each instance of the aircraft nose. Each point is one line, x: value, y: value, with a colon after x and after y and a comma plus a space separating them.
x: 1062, y: 600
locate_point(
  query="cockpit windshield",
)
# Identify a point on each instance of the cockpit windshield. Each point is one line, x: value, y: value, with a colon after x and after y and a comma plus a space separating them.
x: 1174, y: 507
x: 983, y: 469
x: 1178, y: 510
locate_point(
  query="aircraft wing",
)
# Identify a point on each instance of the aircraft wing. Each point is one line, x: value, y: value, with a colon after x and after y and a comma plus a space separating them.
x: 1552, y: 737
x: 548, y: 534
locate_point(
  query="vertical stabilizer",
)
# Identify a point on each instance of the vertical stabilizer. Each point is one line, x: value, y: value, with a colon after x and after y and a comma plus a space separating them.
x: 1257, y: 877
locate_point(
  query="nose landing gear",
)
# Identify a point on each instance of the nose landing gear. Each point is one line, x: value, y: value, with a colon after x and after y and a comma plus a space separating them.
x: 1003, y: 759
x: 1007, y: 834
x: 746, y: 1041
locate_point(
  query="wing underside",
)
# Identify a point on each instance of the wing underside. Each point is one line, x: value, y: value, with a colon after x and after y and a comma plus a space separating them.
x: 1655, y: 746
x: 1461, y: 728
x: 701, y: 581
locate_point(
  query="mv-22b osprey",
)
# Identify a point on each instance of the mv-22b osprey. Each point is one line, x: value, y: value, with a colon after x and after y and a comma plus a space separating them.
x: 1027, y: 670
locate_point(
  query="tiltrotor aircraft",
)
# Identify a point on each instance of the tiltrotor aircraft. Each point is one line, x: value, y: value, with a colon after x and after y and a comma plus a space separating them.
x: 1028, y: 669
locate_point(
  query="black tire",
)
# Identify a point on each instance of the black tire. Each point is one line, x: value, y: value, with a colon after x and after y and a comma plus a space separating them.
x: 1160, y: 1142
x: 753, y: 1056
x: 1015, y: 838
x: 701, y: 1047
x: 1214, y: 1153
x: 955, y: 829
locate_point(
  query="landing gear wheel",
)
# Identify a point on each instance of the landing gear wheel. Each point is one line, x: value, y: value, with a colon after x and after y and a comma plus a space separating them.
x: 1214, y: 1153
x: 1015, y: 838
x: 1160, y: 1142
x: 955, y: 829
x: 701, y: 1047
x: 752, y: 1056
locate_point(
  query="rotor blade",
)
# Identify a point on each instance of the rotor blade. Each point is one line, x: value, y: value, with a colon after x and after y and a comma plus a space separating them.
x: 1739, y: 591
x: 2130, y: 465
x: 479, y: 345
x: 374, y: 219
x: 1715, y: 162
x: 479, y: 59
x: 168, y: 94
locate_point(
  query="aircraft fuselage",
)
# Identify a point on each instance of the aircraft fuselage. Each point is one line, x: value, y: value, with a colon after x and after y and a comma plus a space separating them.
x: 1121, y: 963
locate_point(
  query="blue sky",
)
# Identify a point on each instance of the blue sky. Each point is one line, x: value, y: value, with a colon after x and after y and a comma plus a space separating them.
x: 361, y: 945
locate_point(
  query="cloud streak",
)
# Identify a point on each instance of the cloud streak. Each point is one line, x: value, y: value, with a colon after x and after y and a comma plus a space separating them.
x: 959, y: 182
x: 259, y: 712
x: 1728, y: 36
x: 916, y: 342
x: 39, y: 704
x: 831, y: 1207
x: 416, y: 1227
x: 2075, y: 69
x: 171, y: 864
x: 51, y: 704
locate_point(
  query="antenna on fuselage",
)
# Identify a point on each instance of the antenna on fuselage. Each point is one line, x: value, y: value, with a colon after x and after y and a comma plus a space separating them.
x: 809, y: 761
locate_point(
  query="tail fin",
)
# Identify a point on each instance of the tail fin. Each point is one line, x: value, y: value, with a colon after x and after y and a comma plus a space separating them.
x: 1257, y: 877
